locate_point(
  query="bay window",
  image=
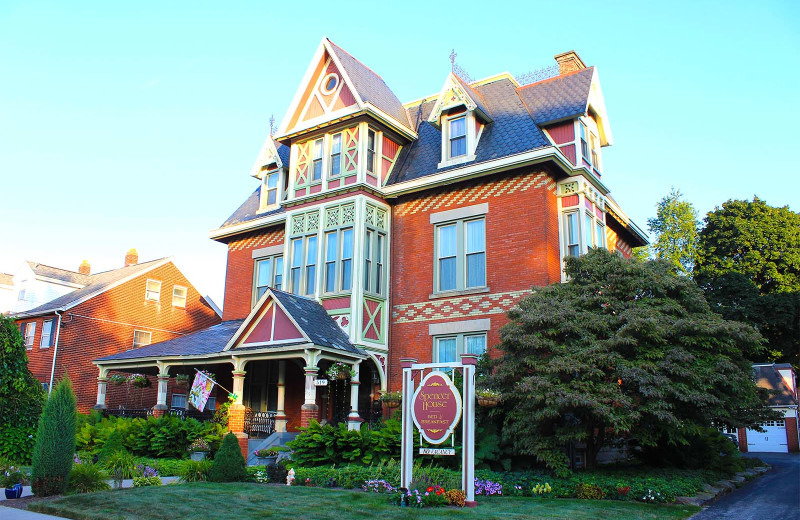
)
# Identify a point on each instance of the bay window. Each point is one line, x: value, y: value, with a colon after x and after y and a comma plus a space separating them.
x: 374, y: 258
x: 572, y: 236
x: 338, y: 260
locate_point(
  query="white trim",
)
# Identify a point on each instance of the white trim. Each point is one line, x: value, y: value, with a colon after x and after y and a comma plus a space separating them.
x: 257, y: 310
x: 459, y: 327
x: 185, y: 295
x: 148, y: 290
x: 250, y: 225
x: 149, y: 341
x: 267, y: 251
x: 459, y: 213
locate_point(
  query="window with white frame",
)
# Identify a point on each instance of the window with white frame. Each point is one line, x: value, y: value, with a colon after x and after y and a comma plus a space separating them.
x: 21, y: 295
x: 268, y: 273
x: 141, y: 338
x: 270, y: 189
x: 316, y: 163
x: 582, y: 230
x: 336, y: 155
x: 30, y: 332
x: 594, y: 146
x: 447, y: 349
x: 303, y: 270
x: 457, y: 136
x: 179, y: 296
x: 371, y: 147
x: 572, y: 234
x: 585, y: 142
x: 153, y: 290
x: 47, y: 334
x: 178, y: 401
x: 460, y: 255
x: 338, y: 260
x: 374, y: 259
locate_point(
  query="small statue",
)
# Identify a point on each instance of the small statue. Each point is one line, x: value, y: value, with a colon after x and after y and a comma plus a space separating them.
x: 290, y: 477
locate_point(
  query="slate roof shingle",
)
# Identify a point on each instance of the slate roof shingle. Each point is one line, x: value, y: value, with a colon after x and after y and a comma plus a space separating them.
x: 561, y: 97
x: 249, y: 210
x: 768, y: 377
x: 57, y: 273
x: 94, y: 283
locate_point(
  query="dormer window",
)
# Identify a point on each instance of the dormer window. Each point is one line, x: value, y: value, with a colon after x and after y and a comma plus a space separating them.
x: 316, y: 167
x: 458, y: 136
x: 271, y: 185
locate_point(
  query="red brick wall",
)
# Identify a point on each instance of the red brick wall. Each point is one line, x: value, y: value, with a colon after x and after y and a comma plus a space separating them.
x: 239, y: 274
x: 742, y: 439
x: 104, y: 325
x: 791, y: 434
x: 522, y: 251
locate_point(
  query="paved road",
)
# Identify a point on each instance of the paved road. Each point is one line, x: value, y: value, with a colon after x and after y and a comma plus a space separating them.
x: 773, y: 496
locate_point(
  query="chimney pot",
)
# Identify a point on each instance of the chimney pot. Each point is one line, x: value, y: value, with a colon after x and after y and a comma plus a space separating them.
x: 569, y: 62
x: 85, y: 268
x: 131, y: 257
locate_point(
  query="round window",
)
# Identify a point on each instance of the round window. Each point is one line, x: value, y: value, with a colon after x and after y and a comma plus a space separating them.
x: 329, y: 83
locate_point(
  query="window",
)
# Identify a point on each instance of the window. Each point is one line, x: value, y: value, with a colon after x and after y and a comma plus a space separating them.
x: 303, y: 273
x: 460, y: 255
x: 588, y: 230
x: 316, y: 165
x: 47, y: 334
x: 573, y: 241
x: 178, y: 296
x: 30, y: 332
x: 178, y: 401
x: 374, y: 259
x: 584, y: 143
x: 593, y: 140
x: 336, y: 154
x: 21, y: 296
x: 601, y: 234
x: 268, y: 273
x: 211, y: 404
x: 370, y: 151
x: 141, y: 338
x: 329, y: 83
x: 339, y: 260
x: 447, y: 349
x: 270, y: 187
x: 153, y: 290
x: 458, y: 137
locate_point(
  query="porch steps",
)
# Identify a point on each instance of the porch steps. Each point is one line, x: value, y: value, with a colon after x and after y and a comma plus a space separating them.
x: 275, y: 439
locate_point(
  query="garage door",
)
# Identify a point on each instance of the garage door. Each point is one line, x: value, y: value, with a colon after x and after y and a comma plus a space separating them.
x: 773, y: 438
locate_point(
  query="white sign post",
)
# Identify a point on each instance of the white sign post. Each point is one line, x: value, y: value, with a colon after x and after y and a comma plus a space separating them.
x: 465, y: 411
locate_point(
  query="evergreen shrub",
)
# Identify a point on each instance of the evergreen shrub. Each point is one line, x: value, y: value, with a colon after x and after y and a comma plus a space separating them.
x: 55, y: 442
x: 229, y: 464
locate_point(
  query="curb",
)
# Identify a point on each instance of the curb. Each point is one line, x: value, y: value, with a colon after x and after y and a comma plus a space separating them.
x: 722, y: 487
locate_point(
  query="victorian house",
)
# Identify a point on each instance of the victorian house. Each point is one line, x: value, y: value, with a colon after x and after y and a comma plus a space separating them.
x: 381, y: 230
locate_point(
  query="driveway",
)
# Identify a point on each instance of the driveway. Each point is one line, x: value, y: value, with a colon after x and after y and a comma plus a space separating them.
x: 775, y: 495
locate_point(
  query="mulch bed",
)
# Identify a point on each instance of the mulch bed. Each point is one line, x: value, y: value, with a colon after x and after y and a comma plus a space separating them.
x: 22, y: 503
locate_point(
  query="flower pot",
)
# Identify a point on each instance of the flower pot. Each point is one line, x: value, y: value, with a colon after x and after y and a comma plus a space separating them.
x: 198, y: 455
x: 267, y: 461
x: 391, y: 403
x: 14, y: 491
x: 342, y: 375
x: 488, y: 401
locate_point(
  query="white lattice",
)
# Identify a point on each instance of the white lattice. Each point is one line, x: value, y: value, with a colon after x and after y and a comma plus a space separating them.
x: 348, y: 214
x: 298, y: 224
x: 332, y: 217
x: 312, y: 221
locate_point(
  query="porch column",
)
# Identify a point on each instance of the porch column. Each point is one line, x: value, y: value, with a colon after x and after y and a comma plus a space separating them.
x: 353, y: 420
x: 310, y: 410
x: 280, y: 414
x: 102, y: 385
x: 161, y: 397
x: 237, y: 409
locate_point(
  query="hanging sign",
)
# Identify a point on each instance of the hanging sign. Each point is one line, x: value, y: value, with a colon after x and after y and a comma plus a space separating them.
x: 436, y: 407
x: 437, y: 451
x: 320, y: 382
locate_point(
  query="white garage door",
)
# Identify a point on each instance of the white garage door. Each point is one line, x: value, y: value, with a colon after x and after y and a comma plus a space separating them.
x: 773, y: 439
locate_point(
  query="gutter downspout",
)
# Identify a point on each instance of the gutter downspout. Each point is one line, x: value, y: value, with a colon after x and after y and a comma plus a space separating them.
x: 55, y: 353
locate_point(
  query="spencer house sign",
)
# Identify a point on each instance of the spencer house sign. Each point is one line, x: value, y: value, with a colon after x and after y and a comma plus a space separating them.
x: 436, y: 407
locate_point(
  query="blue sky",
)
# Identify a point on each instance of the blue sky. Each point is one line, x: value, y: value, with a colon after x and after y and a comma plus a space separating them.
x: 135, y: 124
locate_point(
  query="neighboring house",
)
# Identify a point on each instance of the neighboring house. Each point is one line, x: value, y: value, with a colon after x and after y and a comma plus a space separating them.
x: 7, y: 292
x: 382, y: 230
x: 111, y: 312
x: 780, y: 435
x: 34, y: 284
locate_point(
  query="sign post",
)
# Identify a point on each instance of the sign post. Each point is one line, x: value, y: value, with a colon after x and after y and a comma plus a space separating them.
x: 436, y: 408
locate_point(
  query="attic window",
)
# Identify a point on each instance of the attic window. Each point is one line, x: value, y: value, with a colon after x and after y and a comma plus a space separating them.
x: 329, y: 83
x: 458, y: 136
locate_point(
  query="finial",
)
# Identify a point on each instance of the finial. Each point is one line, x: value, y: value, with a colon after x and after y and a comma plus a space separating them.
x: 453, y: 59
x: 272, y: 125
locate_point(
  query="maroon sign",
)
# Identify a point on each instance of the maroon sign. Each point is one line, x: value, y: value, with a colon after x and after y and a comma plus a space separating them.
x: 436, y: 407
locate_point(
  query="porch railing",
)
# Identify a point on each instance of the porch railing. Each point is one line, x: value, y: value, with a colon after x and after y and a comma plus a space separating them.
x: 148, y: 412
x: 205, y: 415
x: 259, y: 424
x: 129, y: 412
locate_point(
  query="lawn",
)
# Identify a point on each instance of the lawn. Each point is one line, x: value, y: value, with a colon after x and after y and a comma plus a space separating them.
x: 242, y: 501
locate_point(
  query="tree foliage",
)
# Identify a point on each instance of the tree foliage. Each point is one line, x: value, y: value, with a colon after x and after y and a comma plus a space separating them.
x: 55, y: 442
x: 21, y: 396
x: 624, y: 349
x: 675, y: 230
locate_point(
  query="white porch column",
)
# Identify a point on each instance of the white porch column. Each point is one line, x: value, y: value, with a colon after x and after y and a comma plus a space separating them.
x: 161, y: 397
x: 238, y: 386
x: 102, y: 385
x: 310, y: 410
x: 280, y: 414
x: 353, y: 419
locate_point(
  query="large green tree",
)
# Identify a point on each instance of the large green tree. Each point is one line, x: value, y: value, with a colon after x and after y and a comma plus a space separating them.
x: 748, y: 264
x: 675, y: 230
x: 21, y: 396
x: 624, y: 349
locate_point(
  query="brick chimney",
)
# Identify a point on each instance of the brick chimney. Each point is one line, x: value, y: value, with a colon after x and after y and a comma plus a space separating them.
x: 85, y: 268
x: 131, y: 257
x: 569, y: 62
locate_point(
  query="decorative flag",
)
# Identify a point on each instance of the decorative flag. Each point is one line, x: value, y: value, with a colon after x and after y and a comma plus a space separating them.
x: 201, y: 389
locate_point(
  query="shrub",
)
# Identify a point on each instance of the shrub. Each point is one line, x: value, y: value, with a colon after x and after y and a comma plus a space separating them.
x: 277, y: 472
x: 55, y: 442
x: 589, y: 491
x: 319, y: 445
x: 146, y: 481
x: 229, y: 464
x: 112, y: 445
x: 195, y: 470
x: 121, y: 465
x: 456, y: 497
x: 87, y: 478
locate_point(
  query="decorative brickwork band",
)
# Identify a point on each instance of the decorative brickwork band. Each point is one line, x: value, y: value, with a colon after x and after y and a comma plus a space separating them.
x: 478, y: 305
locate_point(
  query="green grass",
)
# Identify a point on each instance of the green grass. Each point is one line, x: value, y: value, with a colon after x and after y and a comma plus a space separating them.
x: 243, y: 501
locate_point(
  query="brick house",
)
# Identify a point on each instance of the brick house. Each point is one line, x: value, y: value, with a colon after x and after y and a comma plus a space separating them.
x: 110, y: 312
x: 381, y: 230
x: 781, y: 435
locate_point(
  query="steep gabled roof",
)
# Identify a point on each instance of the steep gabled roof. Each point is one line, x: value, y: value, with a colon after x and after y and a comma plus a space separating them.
x: 57, y: 273
x: 767, y: 377
x: 249, y: 211
x: 558, y: 98
x: 207, y: 341
x: 96, y: 284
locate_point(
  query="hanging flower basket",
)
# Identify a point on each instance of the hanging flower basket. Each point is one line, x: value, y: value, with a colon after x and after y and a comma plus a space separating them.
x: 117, y: 379
x: 181, y: 380
x: 138, y: 380
x: 488, y: 398
x: 339, y: 370
x: 391, y: 399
